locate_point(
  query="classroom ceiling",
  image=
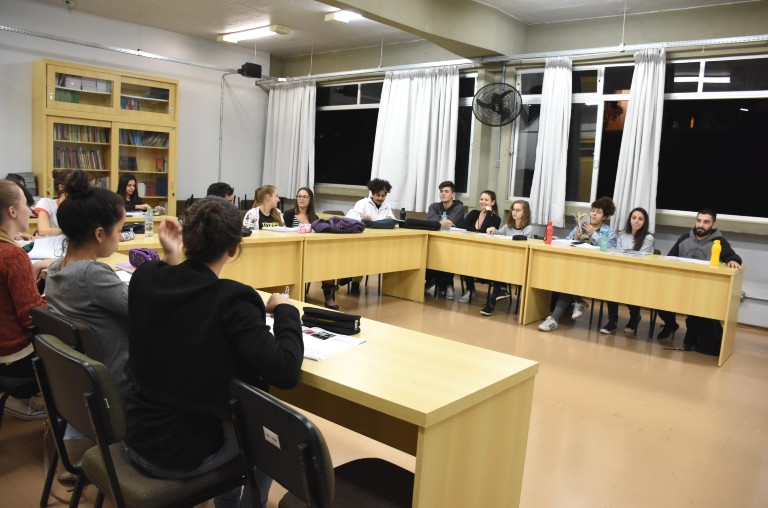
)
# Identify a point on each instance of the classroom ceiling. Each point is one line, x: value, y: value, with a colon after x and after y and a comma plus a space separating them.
x: 311, y: 34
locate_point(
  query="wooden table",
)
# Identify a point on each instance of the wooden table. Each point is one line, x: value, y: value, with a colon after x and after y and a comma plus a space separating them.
x: 484, y: 256
x: 399, y: 254
x: 463, y: 411
x: 649, y: 281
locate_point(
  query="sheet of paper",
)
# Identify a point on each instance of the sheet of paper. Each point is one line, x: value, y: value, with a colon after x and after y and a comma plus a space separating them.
x: 47, y: 247
x: 124, y: 276
x: 687, y: 260
x: 320, y: 344
x: 281, y: 229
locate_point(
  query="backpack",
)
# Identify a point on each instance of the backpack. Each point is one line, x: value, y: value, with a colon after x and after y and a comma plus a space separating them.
x: 338, y: 225
x: 704, y: 335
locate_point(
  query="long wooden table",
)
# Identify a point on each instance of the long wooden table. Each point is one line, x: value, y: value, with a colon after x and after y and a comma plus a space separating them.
x: 463, y: 411
x: 649, y: 281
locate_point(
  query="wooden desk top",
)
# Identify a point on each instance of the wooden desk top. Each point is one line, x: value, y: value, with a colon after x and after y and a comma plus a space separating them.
x: 413, y: 376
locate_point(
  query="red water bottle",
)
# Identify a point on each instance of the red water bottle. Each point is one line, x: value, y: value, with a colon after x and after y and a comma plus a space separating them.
x: 548, y: 233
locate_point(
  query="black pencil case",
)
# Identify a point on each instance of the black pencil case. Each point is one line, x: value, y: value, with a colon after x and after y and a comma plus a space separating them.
x: 336, y: 322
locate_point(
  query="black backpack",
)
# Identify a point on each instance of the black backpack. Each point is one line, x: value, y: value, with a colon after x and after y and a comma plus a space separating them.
x: 704, y: 335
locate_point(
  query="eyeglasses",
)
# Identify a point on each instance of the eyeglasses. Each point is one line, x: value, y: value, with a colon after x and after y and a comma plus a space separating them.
x: 302, y: 197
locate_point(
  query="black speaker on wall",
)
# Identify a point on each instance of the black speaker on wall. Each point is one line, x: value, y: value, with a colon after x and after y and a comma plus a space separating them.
x: 250, y: 70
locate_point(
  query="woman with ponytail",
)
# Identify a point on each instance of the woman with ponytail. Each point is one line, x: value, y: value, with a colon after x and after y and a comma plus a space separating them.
x: 81, y: 287
x: 264, y: 213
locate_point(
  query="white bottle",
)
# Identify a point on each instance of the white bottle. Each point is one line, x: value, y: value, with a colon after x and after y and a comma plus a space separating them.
x: 444, y: 222
x: 149, y: 225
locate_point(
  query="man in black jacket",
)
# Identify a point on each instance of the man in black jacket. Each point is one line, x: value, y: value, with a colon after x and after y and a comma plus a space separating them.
x: 454, y: 210
x: 697, y: 244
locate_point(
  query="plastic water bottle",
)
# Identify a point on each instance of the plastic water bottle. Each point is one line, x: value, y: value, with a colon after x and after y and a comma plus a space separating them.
x: 402, y: 214
x: 714, y: 259
x: 603, y: 242
x: 444, y: 222
x: 548, y: 232
x: 287, y: 291
x: 149, y: 225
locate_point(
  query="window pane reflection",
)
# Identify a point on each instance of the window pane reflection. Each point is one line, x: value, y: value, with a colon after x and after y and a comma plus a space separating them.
x: 581, y: 152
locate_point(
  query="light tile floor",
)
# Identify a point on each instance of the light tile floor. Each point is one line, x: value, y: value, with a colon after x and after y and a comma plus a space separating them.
x: 616, y: 422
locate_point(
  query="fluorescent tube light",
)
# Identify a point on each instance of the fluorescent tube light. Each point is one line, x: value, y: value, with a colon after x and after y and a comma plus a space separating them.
x: 343, y: 16
x: 254, y: 33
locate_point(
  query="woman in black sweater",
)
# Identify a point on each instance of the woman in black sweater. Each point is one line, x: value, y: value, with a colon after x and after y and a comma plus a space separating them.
x: 479, y: 221
x: 191, y: 333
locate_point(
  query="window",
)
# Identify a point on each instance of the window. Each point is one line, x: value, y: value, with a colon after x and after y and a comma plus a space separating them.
x: 715, y: 123
x: 345, y: 131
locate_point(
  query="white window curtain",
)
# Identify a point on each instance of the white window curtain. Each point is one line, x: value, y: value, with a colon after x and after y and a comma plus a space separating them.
x: 415, y: 146
x: 637, y: 172
x: 289, y: 151
x: 548, y: 187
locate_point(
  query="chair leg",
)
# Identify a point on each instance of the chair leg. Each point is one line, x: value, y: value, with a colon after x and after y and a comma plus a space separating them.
x: 78, y: 492
x: 49, y: 477
x: 600, y: 314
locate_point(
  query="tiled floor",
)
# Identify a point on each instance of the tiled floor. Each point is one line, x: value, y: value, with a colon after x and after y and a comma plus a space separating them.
x: 617, y: 421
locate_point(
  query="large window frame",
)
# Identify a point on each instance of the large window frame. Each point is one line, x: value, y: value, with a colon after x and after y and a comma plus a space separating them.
x: 699, y: 79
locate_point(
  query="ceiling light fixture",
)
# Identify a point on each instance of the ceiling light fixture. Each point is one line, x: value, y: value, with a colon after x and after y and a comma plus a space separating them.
x: 343, y: 16
x: 254, y: 33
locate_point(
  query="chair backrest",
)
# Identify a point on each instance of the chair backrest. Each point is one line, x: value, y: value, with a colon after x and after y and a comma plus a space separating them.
x: 79, y: 390
x: 283, y: 443
x: 75, y: 334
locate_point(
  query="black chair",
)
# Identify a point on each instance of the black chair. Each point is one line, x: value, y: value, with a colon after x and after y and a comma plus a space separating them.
x: 76, y: 335
x: 80, y: 391
x: 288, y: 447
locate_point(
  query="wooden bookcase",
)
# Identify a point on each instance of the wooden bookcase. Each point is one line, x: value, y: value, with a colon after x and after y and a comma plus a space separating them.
x: 105, y: 122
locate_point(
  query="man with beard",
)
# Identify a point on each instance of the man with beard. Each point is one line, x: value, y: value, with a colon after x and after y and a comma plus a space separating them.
x: 697, y: 244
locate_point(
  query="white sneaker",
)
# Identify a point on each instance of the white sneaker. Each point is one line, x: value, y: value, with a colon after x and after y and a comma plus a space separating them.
x: 465, y: 297
x: 430, y: 290
x: 26, y: 409
x: 449, y: 294
x: 578, y: 310
x: 548, y: 324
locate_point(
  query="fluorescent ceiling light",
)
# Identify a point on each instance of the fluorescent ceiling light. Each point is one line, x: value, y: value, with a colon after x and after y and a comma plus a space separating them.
x: 695, y: 79
x: 343, y: 16
x: 254, y: 33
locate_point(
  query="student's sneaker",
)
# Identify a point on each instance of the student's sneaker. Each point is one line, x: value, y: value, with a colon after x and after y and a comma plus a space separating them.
x: 487, y: 310
x: 632, y: 324
x: 429, y: 290
x: 578, y: 310
x: 26, y: 409
x: 449, y: 293
x: 610, y: 327
x: 548, y: 324
x: 465, y: 297
x: 667, y: 331
x: 354, y: 289
x: 502, y: 293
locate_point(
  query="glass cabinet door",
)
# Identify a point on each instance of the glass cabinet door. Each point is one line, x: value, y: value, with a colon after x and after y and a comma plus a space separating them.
x: 79, y: 89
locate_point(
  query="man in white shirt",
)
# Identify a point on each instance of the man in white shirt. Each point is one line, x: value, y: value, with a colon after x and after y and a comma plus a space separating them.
x: 369, y: 209
x: 373, y: 207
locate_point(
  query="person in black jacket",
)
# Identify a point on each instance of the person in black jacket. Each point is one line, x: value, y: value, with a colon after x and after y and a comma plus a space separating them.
x: 697, y: 244
x: 479, y: 221
x: 191, y: 333
x: 454, y: 212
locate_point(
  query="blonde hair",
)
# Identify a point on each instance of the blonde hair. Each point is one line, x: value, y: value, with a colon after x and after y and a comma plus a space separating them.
x: 259, y: 197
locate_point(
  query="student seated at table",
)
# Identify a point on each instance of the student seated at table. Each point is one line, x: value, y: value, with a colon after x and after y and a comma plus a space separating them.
x: 372, y: 208
x: 634, y: 236
x: 265, y: 213
x: 518, y: 224
x: 223, y: 190
x: 126, y: 189
x: 479, y: 221
x: 18, y: 296
x: 45, y: 209
x: 18, y: 179
x: 592, y: 228
x: 454, y: 212
x: 191, y: 334
x: 81, y: 287
x: 304, y: 213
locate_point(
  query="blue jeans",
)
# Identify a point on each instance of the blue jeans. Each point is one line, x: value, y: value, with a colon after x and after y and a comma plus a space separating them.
x: 228, y: 451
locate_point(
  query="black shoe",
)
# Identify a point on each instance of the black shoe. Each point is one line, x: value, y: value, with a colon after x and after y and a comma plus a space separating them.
x: 501, y: 294
x: 354, y: 289
x: 667, y: 330
x: 487, y: 310
x: 610, y: 327
x: 345, y: 281
x: 631, y: 326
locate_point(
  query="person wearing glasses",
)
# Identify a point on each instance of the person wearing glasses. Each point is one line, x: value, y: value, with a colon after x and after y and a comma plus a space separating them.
x: 304, y: 213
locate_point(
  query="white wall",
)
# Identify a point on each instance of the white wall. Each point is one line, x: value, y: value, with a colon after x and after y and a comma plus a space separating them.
x: 199, y: 90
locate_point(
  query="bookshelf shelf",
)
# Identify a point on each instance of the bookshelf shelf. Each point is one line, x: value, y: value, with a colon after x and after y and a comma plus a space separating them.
x: 107, y: 123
